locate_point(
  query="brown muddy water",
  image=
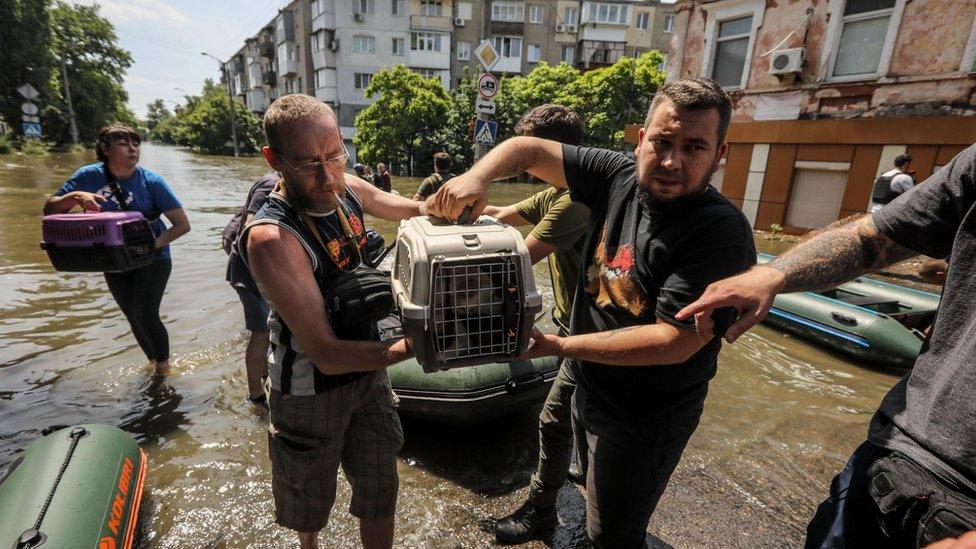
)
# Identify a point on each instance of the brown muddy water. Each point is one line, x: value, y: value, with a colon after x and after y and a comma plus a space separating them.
x: 781, y: 419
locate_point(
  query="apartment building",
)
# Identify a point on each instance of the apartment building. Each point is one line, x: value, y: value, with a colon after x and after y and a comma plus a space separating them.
x: 827, y: 93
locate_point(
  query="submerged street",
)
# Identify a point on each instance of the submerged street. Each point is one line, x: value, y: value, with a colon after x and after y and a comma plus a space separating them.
x: 781, y: 418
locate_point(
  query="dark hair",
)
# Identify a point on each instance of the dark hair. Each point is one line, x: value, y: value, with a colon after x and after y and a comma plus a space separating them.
x: 114, y: 132
x: 552, y: 121
x: 695, y: 94
x: 442, y: 161
x: 902, y: 159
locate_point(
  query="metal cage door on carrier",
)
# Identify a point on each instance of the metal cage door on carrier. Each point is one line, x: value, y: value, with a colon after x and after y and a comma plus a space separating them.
x: 466, y: 293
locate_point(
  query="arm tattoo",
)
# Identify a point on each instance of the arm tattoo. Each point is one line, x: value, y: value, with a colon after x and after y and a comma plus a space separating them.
x: 838, y: 255
x: 613, y: 333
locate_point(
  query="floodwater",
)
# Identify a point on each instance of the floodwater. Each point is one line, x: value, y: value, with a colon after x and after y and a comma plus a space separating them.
x: 781, y: 419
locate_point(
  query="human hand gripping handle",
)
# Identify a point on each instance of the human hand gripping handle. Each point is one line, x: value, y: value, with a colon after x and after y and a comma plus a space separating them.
x: 466, y: 191
x: 750, y: 293
x: 542, y: 344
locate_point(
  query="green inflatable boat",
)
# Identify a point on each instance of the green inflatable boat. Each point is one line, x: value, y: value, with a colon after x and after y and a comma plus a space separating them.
x: 75, y: 487
x: 867, y: 319
x: 472, y: 394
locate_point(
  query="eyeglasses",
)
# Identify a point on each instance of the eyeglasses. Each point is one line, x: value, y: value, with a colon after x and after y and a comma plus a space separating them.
x: 336, y: 161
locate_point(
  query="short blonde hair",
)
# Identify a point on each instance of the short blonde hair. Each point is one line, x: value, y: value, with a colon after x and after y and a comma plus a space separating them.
x: 289, y: 108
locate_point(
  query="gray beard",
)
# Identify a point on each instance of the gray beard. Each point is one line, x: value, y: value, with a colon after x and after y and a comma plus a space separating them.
x: 667, y: 204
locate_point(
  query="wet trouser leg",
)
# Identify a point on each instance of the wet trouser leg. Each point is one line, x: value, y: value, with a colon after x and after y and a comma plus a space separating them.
x: 627, y: 468
x: 555, y: 440
x: 139, y: 293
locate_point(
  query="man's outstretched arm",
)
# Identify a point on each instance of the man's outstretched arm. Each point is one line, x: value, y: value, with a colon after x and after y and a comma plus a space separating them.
x: 832, y: 257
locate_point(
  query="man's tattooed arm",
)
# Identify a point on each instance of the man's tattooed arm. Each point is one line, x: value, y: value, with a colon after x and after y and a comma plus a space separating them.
x: 838, y: 255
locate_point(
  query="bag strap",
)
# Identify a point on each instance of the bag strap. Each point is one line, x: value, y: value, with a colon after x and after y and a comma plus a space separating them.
x: 343, y: 221
x: 113, y: 185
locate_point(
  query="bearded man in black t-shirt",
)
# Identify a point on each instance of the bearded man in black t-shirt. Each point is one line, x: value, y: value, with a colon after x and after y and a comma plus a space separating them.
x: 658, y: 235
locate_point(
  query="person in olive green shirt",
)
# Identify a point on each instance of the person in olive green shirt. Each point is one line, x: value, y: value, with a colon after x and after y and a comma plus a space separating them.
x: 559, y: 234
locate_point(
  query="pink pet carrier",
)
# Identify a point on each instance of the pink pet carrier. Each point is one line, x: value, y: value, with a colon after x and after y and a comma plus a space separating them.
x: 98, y: 242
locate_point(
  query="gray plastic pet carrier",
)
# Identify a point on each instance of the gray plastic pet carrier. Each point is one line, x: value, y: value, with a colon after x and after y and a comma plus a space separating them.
x: 466, y: 293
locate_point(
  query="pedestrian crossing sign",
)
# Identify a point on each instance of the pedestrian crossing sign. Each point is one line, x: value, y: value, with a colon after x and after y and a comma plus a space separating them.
x: 485, y: 132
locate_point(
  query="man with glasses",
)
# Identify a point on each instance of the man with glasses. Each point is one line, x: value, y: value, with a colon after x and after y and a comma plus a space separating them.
x: 330, y: 399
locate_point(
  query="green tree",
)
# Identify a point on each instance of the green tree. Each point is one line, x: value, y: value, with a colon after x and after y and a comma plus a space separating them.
x: 156, y: 113
x: 96, y: 68
x: 405, y: 120
x: 610, y: 98
x: 25, y: 55
x: 545, y: 84
x: 205, y: 123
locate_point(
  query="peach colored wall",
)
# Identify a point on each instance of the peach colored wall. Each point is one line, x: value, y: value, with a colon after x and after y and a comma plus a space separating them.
x: 932, y: 37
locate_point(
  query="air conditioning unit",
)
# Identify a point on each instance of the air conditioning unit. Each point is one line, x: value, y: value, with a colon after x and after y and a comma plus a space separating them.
x: 459, y: 21
x: 570, y: 28
x: 560, y: 27
x: 786, y: 61
x: 359, y: 17
x: 334, y: 45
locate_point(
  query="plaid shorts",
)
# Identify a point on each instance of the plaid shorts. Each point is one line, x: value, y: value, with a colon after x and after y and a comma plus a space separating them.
x: 355, y: 425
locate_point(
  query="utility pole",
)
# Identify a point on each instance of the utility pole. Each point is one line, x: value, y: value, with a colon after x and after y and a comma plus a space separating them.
x: 225, y: 70
x: 67, y: 95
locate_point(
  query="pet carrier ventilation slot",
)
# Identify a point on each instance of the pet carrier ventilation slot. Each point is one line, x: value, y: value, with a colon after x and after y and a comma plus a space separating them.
x: 466, y: 293
x: 98, y: 242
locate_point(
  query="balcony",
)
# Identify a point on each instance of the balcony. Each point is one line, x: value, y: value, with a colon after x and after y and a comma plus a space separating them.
x: 270, y: 78
x: 603, y: 33
x: 324, y: 21
x: 431, y: 23
x: 287, y: 67
x: 324, y: 58
x: 329, y: 94
x: 256, y: 100
x: 266, y: 49
x: 429, y: 59
x: 511, y: 28
x: 508, y: 65
x: 285, y: 27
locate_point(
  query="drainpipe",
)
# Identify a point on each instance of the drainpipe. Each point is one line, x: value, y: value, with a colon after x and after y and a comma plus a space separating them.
x: 682, y: 20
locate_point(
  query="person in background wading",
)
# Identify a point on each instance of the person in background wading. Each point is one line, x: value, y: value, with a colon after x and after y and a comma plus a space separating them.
x: 913, y: 481
x: 117, y: 183
x: 658, y: 234
x: 442, y: 173
x: 382, y: 179
x: 255, y: 307
x: 330, y: 399
x: 558, y: 234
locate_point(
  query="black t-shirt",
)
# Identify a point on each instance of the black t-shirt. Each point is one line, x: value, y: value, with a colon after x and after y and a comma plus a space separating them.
x: 640, y: 266
x: 237, y: 272
x: 930, y: 414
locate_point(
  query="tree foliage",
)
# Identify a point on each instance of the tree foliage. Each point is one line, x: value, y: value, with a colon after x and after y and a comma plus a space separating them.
x: 404, y: 122
x: 204, y: 123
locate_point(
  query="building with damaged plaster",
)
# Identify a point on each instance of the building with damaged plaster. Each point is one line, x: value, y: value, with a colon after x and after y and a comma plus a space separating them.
x: 827, y: 93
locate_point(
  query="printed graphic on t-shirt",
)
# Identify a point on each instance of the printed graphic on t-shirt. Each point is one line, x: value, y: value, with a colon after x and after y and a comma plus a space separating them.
x: 610, y: 279
x: 335, y: 247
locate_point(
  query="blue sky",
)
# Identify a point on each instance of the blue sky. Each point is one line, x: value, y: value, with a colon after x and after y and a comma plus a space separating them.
x: 166, y: 37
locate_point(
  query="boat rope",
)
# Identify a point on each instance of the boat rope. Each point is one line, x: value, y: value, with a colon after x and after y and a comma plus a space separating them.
x: 32, y: 536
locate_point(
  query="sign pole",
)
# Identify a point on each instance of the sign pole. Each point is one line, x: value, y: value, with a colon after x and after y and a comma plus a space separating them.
x: 479, y: 149
x: 71, y: 110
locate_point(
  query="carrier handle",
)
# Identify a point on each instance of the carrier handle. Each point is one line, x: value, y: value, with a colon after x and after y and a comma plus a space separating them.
x: 465, y: 217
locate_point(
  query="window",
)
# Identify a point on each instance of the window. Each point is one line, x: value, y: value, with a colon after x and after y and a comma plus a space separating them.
x: 318, y: 41
x: 642, y: 20
x: 464, y: 51
x: 816, y: 198
x: 425, y: 41
x: 606, y: 13
x: 504, y: 10
x: 568, y: 54
x: 428, y: 73
x: 731, y: 46
x: 362, y: 80
x: 535, y: 14
x: 364, y: 6
x: 569, y: 16
x: 664, y: 62
x: 398, y: 46
x: 669, y: 22
x: 431, y: 8
x: 398, y: 7
x: 508, y: 46
x: 320, y: 78
x: 364, y: 44
x: 534, y: 53
x: 318, y: 6
x: 862, y: 37
x: 464, y: 10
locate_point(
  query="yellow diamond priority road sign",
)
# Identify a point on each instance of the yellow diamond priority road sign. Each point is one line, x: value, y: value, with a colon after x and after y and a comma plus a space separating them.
x: 487, y: 55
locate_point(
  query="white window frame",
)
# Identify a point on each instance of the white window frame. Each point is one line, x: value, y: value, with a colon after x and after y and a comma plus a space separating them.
x: 318, y: 6
x: 431, y: 8
x: 835, y: 12
x: 968, y: 64
x: 536, y: 13
x: 361, y: 80
x: 507, y: 10
x: 668, y: 22
x: 646, y: 17
x: 398, y: 7
x: 363, y: 43
x: 431, y: 41
x: 537, y: 48
x: 367, y: 7
x: 403, y: 45
x: 319, y: 78
x: 318, y: 41
x: 500, y: 47
x: 464, y: 51
x: 562, y: 54
x: 725, y: 10
x: 570, y: 19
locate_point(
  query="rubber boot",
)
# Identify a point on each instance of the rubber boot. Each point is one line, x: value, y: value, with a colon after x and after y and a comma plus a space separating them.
x: 527, y: 523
